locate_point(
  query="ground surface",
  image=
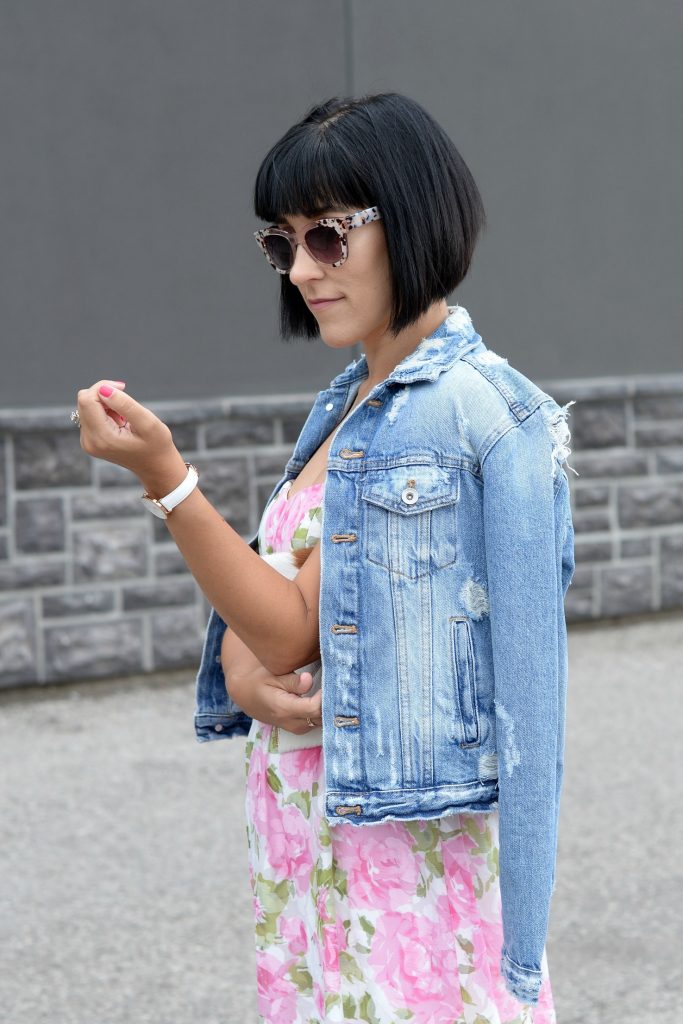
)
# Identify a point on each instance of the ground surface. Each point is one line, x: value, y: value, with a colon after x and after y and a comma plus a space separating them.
x: 123, y: 880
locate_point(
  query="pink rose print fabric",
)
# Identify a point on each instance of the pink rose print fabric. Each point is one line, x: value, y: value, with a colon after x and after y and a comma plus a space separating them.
x: 398, y: 921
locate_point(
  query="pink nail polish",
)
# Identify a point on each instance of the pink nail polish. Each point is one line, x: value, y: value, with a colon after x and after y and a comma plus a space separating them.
x: 106, y: 391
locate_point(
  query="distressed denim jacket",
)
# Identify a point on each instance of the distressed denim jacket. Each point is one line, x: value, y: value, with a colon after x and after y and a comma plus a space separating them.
x: 447, y: 548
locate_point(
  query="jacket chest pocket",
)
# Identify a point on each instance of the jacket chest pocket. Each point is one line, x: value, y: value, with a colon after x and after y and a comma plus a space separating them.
x: 409, y: 519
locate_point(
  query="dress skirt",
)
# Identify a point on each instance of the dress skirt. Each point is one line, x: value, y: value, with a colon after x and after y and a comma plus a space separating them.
x: 382, y: 923
x: 395, y: 921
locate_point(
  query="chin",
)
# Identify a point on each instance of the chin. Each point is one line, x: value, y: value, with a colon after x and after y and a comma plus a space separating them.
x: 336, y: 337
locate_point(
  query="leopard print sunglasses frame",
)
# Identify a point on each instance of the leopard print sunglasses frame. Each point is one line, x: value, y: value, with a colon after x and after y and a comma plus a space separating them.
x: 340, y: 225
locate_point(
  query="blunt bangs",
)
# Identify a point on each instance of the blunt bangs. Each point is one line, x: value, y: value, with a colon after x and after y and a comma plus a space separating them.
x: 387, y: 151
x: 306, y: 173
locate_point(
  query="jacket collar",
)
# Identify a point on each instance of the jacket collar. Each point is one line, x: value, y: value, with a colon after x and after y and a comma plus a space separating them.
x: 450, y: 341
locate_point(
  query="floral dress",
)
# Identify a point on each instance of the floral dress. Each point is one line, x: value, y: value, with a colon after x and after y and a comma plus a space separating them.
x: 383, y: 923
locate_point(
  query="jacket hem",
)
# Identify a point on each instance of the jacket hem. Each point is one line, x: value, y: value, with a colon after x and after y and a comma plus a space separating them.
x: 371, y: 807
x: 221, y: 726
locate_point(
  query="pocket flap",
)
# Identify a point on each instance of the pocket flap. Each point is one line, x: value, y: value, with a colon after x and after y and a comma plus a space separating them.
x: 411, y: 489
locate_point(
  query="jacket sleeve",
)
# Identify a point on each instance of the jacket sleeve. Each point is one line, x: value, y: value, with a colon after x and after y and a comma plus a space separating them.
x: 217, y: 716
x: 525, y: 497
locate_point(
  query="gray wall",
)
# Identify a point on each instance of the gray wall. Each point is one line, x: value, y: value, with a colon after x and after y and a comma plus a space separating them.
x: 132, y: 132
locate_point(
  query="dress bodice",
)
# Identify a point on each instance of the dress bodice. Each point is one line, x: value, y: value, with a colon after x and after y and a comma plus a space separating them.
x: 292, y: 523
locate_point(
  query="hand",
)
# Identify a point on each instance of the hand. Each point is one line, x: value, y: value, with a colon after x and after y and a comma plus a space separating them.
x: 274, y: 699
x: 116, y: 428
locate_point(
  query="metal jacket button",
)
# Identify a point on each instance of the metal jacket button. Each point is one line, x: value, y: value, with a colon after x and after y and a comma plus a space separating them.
x: 409, y: 495
x: 330, y: 406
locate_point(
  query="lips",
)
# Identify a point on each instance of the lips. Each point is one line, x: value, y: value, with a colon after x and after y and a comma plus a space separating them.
x: 319, y: 302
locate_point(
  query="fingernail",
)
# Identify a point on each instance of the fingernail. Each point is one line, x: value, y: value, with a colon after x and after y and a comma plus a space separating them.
x: 106, y: 390
x: 120, y: 383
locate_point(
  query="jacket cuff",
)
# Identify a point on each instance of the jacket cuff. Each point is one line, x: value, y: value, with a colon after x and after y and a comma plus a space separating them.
x: 522, y: 982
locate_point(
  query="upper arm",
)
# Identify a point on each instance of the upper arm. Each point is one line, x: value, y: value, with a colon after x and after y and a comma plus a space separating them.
x: 308, y: 582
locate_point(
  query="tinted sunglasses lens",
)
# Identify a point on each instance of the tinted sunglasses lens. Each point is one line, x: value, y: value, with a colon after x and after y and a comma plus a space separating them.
x: 280, y: 251
x: 324, y: 243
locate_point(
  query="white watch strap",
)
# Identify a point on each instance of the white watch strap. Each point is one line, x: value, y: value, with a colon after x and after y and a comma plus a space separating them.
x: 182, y: 490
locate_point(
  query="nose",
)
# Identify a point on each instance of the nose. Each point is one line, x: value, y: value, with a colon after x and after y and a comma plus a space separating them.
x: 305, y: 268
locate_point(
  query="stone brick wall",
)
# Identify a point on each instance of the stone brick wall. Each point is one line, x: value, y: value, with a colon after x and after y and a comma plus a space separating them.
x: 627, y: 502
x: 92, y: 586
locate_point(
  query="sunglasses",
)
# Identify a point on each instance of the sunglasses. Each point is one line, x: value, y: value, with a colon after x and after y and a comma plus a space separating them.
x: 325, y: 241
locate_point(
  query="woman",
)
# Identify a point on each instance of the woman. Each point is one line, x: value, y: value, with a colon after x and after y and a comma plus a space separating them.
x: 428, y: 490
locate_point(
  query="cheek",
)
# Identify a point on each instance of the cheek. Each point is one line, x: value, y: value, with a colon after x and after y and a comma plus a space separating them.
x: 368, y: 264
x: 373, y: 282
x: 379, y: 290
x: 370, y: 299
x: 381, y: 276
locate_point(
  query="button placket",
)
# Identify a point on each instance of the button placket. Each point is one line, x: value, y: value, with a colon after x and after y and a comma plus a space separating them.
x: 340, y: 628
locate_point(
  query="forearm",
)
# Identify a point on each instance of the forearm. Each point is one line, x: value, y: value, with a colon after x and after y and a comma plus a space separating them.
x: 237, y: 658
x: 274, y: 699
x: 265, y: 610
x: 276, y: 617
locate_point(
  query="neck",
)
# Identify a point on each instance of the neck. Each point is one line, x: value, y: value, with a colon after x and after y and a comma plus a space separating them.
x: 384, y: 352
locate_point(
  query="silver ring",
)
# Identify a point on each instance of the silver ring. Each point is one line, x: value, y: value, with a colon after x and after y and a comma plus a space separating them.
x: 75, y: 417
x: 309, y: 722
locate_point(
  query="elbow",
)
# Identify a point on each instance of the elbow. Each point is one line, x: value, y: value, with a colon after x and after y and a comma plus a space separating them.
x: 288, y: 659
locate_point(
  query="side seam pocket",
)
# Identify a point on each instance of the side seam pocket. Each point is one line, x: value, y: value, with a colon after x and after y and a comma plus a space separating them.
x: 466, y: 717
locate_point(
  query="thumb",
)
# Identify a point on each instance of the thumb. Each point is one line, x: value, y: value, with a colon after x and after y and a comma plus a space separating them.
x: 305, y: 681
x: 139, y: 418
x: 296, y: 682
x: 290, y: 683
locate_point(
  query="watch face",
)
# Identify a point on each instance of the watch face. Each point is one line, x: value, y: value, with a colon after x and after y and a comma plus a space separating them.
x: 154, y: 507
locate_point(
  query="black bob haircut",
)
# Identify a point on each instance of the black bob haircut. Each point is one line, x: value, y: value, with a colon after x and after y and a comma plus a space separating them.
x: 387, y: 151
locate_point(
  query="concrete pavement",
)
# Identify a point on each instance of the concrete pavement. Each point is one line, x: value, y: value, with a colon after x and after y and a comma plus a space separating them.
x: 123, y: 875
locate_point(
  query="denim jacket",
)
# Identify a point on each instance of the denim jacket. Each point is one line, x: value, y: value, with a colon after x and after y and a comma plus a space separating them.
x: 447, y: 548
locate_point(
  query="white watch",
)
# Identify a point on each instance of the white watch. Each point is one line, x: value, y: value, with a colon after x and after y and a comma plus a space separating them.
x: 162, y: 507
